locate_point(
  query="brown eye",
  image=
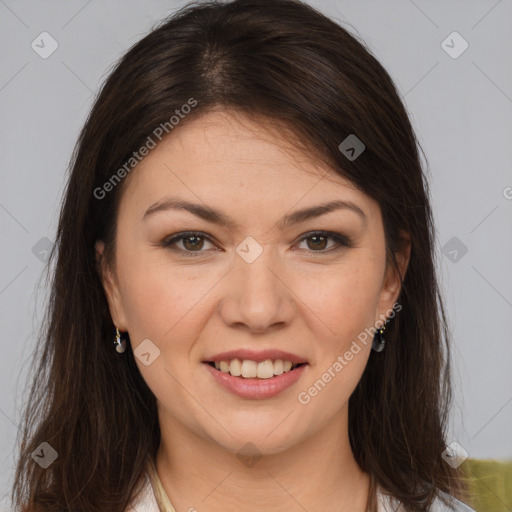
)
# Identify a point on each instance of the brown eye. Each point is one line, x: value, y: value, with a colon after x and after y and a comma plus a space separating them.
x: 319, y: 241
x: 190, y: 243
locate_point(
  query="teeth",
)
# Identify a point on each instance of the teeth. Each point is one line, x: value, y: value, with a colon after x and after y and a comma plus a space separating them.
x: 265, y: 369
x: 235, y: 367
x: 250, y: 369
x: 278, y: 367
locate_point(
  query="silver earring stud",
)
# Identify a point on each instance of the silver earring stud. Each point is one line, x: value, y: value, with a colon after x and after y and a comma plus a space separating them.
x: 119, y: 343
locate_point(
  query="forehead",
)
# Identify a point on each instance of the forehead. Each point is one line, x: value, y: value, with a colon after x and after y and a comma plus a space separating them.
x: 232, y: 161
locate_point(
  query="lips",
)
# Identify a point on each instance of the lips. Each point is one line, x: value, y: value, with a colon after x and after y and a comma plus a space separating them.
x: 257, y: 356
x: 251, y: 369
x: 256, y: 388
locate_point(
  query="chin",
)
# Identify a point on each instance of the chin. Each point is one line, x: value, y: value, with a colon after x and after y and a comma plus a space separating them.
x: 256, y: 443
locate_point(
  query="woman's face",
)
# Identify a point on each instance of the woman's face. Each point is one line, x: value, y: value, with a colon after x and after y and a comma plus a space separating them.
x: 254, y: 277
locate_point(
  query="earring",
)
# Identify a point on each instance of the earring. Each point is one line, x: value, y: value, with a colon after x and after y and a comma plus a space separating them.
x: 378, y: 342
x: 119, y: 343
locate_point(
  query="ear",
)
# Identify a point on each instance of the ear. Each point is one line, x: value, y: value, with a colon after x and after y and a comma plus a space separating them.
x: 111, y: 287
x: 395, y: 274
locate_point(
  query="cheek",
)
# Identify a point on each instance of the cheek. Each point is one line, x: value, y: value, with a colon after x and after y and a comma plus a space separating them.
x: 346, y: 303
x: 344, y: 298
x: 164, y: 305
x: 160, y: 300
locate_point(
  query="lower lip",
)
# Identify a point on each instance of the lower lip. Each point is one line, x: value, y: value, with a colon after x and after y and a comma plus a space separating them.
x: 256, y: 389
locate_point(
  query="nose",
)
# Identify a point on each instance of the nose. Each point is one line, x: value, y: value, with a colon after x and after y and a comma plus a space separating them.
x: 256, y: 296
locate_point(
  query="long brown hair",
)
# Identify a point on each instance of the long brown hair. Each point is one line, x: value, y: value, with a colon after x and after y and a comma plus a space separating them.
x: 288, y: 64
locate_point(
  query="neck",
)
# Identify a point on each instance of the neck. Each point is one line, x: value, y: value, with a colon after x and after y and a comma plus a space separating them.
x: 319, y: 473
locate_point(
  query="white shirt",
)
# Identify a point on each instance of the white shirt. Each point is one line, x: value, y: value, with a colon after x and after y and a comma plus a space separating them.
x: 146, y: 501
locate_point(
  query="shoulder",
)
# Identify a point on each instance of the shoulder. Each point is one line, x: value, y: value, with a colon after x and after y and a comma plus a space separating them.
x: 387, y: 503
x: 143, y: 500
x: 455, y: 505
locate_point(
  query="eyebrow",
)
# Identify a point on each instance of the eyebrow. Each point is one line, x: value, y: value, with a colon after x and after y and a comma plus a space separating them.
x: 216, y: 217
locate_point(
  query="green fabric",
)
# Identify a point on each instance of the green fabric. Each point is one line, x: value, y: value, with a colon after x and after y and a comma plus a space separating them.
x: 489, y: 484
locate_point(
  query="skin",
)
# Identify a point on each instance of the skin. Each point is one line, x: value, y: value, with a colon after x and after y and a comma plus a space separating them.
x: 296, y: 296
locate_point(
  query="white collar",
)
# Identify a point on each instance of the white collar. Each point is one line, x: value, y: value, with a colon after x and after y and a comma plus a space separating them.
x: 146, y: 501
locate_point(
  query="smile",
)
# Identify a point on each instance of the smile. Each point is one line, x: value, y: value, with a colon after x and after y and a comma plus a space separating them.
x: 248, y: 384
x: 250, y: 369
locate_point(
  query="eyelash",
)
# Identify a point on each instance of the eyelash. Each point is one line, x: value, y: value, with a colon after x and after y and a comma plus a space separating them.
x: 341, y: 240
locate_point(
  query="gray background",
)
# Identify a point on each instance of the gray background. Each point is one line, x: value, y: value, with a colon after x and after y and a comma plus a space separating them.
x: 460, y: 107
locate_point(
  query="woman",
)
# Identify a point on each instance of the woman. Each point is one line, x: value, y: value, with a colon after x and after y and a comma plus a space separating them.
x: 244, y: 312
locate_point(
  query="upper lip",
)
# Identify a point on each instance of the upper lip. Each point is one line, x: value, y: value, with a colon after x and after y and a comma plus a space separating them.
x: 256, y: 355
